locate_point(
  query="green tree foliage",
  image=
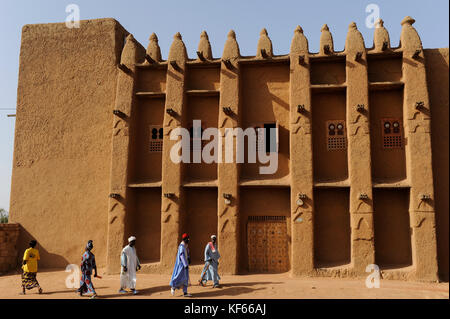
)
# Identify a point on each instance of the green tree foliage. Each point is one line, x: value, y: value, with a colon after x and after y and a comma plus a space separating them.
x: 3, y: 216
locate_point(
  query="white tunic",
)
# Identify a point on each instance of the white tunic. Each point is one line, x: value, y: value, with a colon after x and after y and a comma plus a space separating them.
x: 129, y: 259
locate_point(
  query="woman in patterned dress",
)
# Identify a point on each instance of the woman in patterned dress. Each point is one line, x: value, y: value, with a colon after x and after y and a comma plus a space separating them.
x: 87, y: 265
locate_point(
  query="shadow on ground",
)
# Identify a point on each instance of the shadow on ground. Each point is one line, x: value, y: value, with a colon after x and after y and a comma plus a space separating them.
x: 231, y: 289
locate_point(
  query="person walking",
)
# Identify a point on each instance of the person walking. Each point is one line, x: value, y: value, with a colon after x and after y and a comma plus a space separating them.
x: 30, y: 268
x: 129, y: 262
x: 180, y: 274
x: 210, y: 271
x: 87, y: 266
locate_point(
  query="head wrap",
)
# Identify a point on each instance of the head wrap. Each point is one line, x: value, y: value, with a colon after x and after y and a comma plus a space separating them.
x: 213, y: 236
x: 131, y: 239
x: 185, y: 236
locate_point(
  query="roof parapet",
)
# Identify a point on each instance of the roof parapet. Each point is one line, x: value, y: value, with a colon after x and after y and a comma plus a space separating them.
x: 153, y: 53
x: 354, y: 43
x: 264, y: 48
x: 409, y: 38
x: 409, y: 41
x: 299, y: 43
x: 231, y: 48
x: 131, y: 53
x: 177, y: 52
x: 381, y: 41
x: 204, y: 51
x: 326, y: 41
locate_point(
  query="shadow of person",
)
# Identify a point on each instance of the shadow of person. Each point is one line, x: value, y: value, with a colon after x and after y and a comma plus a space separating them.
x: 141, y: 292
x: 66, y: 291
x: 243, y: 284
x: 233, y: 291
x: 48, y: 262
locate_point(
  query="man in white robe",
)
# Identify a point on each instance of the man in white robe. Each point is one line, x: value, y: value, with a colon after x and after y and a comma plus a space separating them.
x: 129, y: 262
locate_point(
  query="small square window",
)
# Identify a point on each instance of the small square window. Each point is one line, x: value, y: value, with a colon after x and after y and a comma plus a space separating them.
x: 156, y: 138
x: 392, y: 133
x: 336, y: 135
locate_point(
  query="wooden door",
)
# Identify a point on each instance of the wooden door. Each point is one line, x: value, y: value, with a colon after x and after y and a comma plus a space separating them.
x: 267, y: 244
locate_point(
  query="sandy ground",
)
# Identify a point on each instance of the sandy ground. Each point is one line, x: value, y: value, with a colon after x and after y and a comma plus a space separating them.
x: 273, y: 286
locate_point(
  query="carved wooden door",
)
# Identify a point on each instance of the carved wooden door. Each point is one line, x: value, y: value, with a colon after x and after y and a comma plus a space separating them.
x: 267, y: 244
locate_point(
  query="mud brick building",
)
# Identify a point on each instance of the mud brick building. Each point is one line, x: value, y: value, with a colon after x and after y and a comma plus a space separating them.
x: 362, y: 167
x: 8, y: 250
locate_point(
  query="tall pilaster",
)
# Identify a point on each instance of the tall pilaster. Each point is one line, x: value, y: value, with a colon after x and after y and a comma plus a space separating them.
x: 416, y: 118
x: 132, y: 53
x: 171, y: 208
x: 228, y: 173
x: 301, y: 160
x: 359, y: 159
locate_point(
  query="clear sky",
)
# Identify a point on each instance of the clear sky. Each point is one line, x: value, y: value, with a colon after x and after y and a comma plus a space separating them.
x: 246, y: 17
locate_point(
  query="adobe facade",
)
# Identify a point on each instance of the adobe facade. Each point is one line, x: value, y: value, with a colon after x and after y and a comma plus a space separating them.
x: 362, y: 172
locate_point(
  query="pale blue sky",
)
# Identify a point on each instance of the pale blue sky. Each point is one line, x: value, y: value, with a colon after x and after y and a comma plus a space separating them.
x: 246, y: 17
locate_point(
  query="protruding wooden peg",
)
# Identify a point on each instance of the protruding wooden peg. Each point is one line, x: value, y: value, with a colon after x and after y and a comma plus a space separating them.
x: 264, y: 53
x: 301, y: 108
x: 227, y: 196
x: 175, y: 65
x: 171, y: 111
x: 301, y: 60
x: 227, y: 110
x: 119, y: 114
x: 326, y: 49
x: 363, y: 196
x: 419, y: 105
x: 200, y: 56
x: 124, y: 68
x: 358, y: 56
x: 416, y: 54
x: 385, y: 46
x: 149, y: 59
x: 228, y: 64
x: 360, y: 108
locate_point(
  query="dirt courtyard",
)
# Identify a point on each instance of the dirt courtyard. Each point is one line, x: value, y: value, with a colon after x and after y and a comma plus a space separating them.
x: 260, y: 286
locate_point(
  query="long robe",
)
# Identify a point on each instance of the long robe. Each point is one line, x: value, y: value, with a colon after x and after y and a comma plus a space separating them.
x: 129, y: 259
x: 180, y: 275
x: 210, y: 271
x: 87, y: 265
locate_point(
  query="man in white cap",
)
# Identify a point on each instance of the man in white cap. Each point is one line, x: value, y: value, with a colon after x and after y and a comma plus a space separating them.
x: 130, y: 264
x: 211, y: 264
